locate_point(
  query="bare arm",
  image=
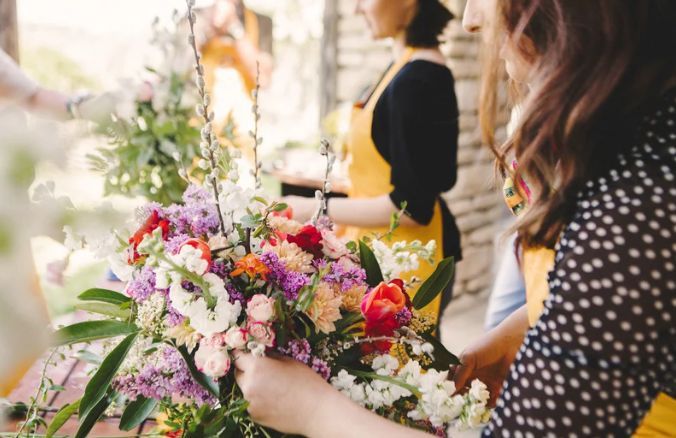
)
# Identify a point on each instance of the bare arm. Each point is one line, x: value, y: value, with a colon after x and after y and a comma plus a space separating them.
x: 358, y: 212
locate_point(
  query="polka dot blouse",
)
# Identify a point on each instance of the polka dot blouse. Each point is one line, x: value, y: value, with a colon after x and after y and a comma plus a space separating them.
x: 605, y: 345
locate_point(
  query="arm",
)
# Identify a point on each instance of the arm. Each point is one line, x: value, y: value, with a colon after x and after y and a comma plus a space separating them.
x: 291, y: 398
x: 358, y: 212
x: 489, y: 359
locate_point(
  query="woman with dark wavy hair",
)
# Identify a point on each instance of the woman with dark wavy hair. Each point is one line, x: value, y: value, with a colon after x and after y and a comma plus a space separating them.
x: 596, y: 148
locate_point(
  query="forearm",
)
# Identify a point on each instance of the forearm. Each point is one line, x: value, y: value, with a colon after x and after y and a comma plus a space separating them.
x: 511, y: 331
x: 335, y: 408
x: 365, y: 212
x: 48, y: 102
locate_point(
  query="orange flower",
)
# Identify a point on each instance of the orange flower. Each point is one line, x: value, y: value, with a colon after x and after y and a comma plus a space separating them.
x: 250, y: 266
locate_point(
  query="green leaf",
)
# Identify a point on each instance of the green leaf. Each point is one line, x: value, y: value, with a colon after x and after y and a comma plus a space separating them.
x: 374, y: 275
x: 100, y: 382
x: 92, y: 330
x: 104, y: 309
x: 436, y: 283
x: 351, y: 246
x: 279, y: 207
x: 61, y: 417
x: 93, y: 416
x: 104, y: 295
x: 200, y: 378
x: 348, y: 320
x: 442, y: 357
x: 89, y: 357
x: 136, y: 412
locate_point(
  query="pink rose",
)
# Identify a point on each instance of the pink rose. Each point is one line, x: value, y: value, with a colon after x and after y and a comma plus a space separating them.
x: 236, y: 338
x: 214, y: 362
x: 260, y: 308
x: 262, y: 333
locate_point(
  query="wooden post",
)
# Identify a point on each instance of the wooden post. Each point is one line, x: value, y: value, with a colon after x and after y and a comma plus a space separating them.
x: 9, y: 41
x: 329, y: 59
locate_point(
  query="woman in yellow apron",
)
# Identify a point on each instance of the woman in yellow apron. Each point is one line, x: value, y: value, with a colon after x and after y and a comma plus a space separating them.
x: 403, y: 139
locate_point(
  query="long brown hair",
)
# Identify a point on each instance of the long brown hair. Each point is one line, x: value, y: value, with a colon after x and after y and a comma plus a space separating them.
x: 596, y: 64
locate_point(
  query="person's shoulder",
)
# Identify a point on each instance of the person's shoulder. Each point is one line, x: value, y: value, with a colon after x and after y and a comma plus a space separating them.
x: 422, y: 81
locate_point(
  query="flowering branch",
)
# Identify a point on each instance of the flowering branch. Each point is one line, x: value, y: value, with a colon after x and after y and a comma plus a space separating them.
x: 210, y: 147
x: 321, y: 195
x: 254, y: 134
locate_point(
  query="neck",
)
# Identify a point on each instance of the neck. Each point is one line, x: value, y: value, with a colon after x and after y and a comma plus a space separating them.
x: 399, y: 45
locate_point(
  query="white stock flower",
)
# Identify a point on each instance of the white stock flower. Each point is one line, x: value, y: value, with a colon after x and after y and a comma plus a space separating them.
x: 479, y: 391
x: 120, y: 267
x: 73, y: 241
x: 192, y: 259
x: 149, y: 317
x: 385, y: 364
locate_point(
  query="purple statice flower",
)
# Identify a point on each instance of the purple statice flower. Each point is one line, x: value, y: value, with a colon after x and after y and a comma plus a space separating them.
x: 181, y: 381
x: 173, y: 244
x: 322, y: 368
x: 220, y: 268
x: 148, y: 209
x: 403, y: 317
x: 290, y: 282
x: 298, y: 349
x: 235, y: 295
x: 142, y: 285
x: 195, y: 194
x: 346, y: 278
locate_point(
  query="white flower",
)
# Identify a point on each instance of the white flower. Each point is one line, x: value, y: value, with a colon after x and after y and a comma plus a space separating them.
x: 192, y: 259
x: 149, y: 317
x: 73, y: 241
x: 181, y: 299
x: 385, y: 364
x: 333, y: 247
x: 211, y: 321
x: 184, y: 335
x: 118, y: 264
x: 479, y: 391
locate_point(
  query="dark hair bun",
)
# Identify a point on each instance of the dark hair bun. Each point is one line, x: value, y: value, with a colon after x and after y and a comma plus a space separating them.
x: 428, y: 24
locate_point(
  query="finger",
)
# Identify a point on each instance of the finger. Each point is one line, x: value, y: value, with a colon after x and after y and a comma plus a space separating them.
x: 242, y: 360
x: 463, y: 372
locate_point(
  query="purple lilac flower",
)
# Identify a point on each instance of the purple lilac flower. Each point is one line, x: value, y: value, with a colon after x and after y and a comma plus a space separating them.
x: 346, y: 278
x: 290, y: 282
x: 220, y: 268
x: 173, y: 318
x: 172, y: 379
x: 142, y: 285
x: 150, y: 207
x: 234, y: 294
x: 173, y: 244
x: 197, y: 217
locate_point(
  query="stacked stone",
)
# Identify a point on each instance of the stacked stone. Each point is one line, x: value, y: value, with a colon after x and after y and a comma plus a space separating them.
x: 475, y: 200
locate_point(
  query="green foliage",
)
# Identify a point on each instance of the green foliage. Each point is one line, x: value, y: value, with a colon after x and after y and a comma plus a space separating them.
x: 100, y: 382
x: 93, y: 330
x: 62, y: 416
x: 136, y: 412
x: 374, y: 275
x: 435, y: 284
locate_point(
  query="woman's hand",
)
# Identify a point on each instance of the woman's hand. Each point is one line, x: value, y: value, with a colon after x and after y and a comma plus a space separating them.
x: 489, y: 359
x: 282, y: 393
x: 303, y: 208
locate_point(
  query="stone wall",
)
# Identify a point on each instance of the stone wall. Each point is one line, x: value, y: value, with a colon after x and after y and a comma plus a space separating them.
x: 475, y: 201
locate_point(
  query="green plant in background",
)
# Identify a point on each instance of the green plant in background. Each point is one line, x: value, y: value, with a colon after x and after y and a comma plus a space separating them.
x: 56, y: 71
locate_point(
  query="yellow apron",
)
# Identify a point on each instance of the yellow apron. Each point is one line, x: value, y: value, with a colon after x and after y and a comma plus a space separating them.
x: 370, y: 177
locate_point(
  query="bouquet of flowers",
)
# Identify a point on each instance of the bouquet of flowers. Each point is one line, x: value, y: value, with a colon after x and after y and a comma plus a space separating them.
x: 228, y: 269
x: 154, y: 136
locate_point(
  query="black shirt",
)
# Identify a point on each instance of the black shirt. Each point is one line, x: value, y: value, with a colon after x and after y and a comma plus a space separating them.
x: 415, y: 129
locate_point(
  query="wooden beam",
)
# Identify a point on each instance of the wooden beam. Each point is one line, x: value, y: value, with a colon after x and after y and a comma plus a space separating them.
x: 329, y: 59
x: 9, y: 35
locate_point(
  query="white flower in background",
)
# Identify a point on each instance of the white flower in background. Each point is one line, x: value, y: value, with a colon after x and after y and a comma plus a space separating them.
x: 235, y: 200
x: 149, y: 317
x: 120, y: 267
x: 73, y: 240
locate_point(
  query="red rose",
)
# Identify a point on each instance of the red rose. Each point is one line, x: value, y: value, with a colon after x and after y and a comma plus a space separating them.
x: 202, y: 246
x: 380, y: 307
x: 308, y: 239
x: 151, y: 224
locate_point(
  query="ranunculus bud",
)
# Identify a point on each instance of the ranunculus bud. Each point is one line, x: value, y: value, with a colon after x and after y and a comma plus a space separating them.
x: 236, y: 338
x: 212, y: 361
x: 262, y: 333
